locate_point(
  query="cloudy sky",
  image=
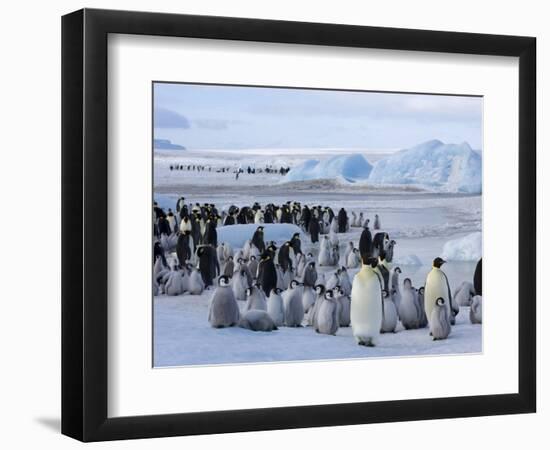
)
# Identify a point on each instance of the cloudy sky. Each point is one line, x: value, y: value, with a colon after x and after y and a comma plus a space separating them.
x: 208, y: 116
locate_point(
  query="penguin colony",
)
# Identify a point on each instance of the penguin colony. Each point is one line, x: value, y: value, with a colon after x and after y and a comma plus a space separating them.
x: 263, y: 286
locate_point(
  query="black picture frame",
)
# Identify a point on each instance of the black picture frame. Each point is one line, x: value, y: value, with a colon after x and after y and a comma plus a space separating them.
x: 84, y: 224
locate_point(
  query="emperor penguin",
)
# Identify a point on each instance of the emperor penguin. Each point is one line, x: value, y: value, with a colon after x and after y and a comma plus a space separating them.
x: 275, y: 307
x: 389, y: 251
x: 223, y: 310
x: 478, y: 276
x: 174, y: 284
x: 314, y: 230
x: 345, y: 305
x: 423, y: 322
x: 366, y: 304
x: 229, y: 267
x: 464, y: 294
x: 353, y: 221
x: 196, y: 284
x: 325, y: 256
x: 258, y: 239
x: 319, y: 298
x: 347, y: 251
x: 308, y: 298
x: 208, y: 264
x: 333, y: 281
x: 437, y: 286
x: 409, y: 310
x: 257, y: 320
x: 267, y: 273
x: 345, y: 282
x: 389, y: 323
x: 476, y: 309
x: 310, y: 275
x: 440, y: 325
x: 253, y: 266
x: 292, y: 301
x: 184, y: 245
x: 328, y: 320
x: 377, y: 224
x: 240, y: 285
x: 284, y: 256
x: 353, y: 261
x: 342, y: 221
x: 365, y: 242
x: 255, y: 298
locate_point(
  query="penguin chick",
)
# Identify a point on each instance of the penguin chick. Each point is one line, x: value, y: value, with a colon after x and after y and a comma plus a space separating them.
x: 257, y: 320
x: 476, y: 309
x: 223, y: 310
x: 440, y: 325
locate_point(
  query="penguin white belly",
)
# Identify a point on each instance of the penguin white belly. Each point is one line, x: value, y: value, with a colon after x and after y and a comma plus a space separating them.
x: 366, y: 306
x: 275, y: 309
x: 436, y: 286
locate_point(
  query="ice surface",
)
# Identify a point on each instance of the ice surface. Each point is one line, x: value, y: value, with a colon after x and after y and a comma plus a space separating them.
x: 237, y: 235
x: 407, y: 260
x: 348, y: 167
x: 468, y: 248
x: 447, y: 167
x: 165, y: 144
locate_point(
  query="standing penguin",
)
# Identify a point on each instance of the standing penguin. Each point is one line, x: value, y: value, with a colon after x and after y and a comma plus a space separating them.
x: 229, y: 267
x: 223, y: 310
x: 328, y: 315
x: 342, y: 221
x: 345, y: 282
x: 208, y: 264
x: 210, y: 235
x: 255, y: 299
x: 423, y: 322
x: 294, y: 309
x: 389, y: 323
x: 325, y: 256
x: 389, y: 251
x: 258, y: 239
x: 310, y: 275
x: 319, y: 299
x: 440, y: 326
x: 275, y: 307
x: 476, y: 310
x: 314, y: 230
x: 436, y: 286
x: 377, y: 224
x: 253, y: 266
x: 308, y: 298
x: 366, y: 304
x: 478, y: 277
x: 409, y: 310
x: 256, y: 320
x: 183, y: 247
x: 365, y: 243
x: 267, y: 273
x: 240, y: 284
x: 353, y: 260
x: 464, y: 294
x: 283, y: 258
x: 196, y: 284
x: 345, y: 306
x: 296, y: 243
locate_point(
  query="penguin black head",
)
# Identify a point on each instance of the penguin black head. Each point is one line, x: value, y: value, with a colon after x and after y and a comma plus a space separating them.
x: 277, y: 290
x: 230, y: 258
x: 248, y: 292
x: 384, y: 293
x: 421, y: 290
x: 329, y: 294
x: 224, y: 280
x: 296, y: 235
x: 312, y: 264
x: 440, y: 301
x: 438, y: 262
x: 200, y: 251
x: 320, y: 289
x: 294, y: 284
x: 407, y: 282
x: 252, y: 258
x: 398, y: 270
x: 392, y: 242
x: 373, y: 262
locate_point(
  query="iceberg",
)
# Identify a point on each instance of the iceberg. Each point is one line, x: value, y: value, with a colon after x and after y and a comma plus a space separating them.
x: 166, y: 144
x: 348, y: 167
x: 468, y: 248
x: 445, y: 167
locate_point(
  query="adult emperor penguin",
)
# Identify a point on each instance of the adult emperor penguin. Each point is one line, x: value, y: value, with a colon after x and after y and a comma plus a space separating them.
x: 389, y: 323
x: 477, y: 277
x: 440, y: 326
x: 275, y: 307
x: 223, y: 310
x: 366, y: 304
x: 294, y: 309
x: 342, y: 221
x: 314, y: 230
x: 328, y: 320
x: 365, y: 243
x: 256, y: 298
x: 257, y: 320
x: 208, y: 264
x: 267, y: 273
x: 183, y: 246
x: 258, y: 239
x: 283, y: 257
x: 436, y: 286
x: 476, y: 309
x: 296, y: 244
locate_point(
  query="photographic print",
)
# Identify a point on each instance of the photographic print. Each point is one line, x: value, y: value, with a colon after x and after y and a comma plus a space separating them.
x: 301, y: 224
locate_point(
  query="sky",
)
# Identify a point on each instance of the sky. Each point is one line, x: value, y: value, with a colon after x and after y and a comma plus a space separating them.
x: 237, y: 117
